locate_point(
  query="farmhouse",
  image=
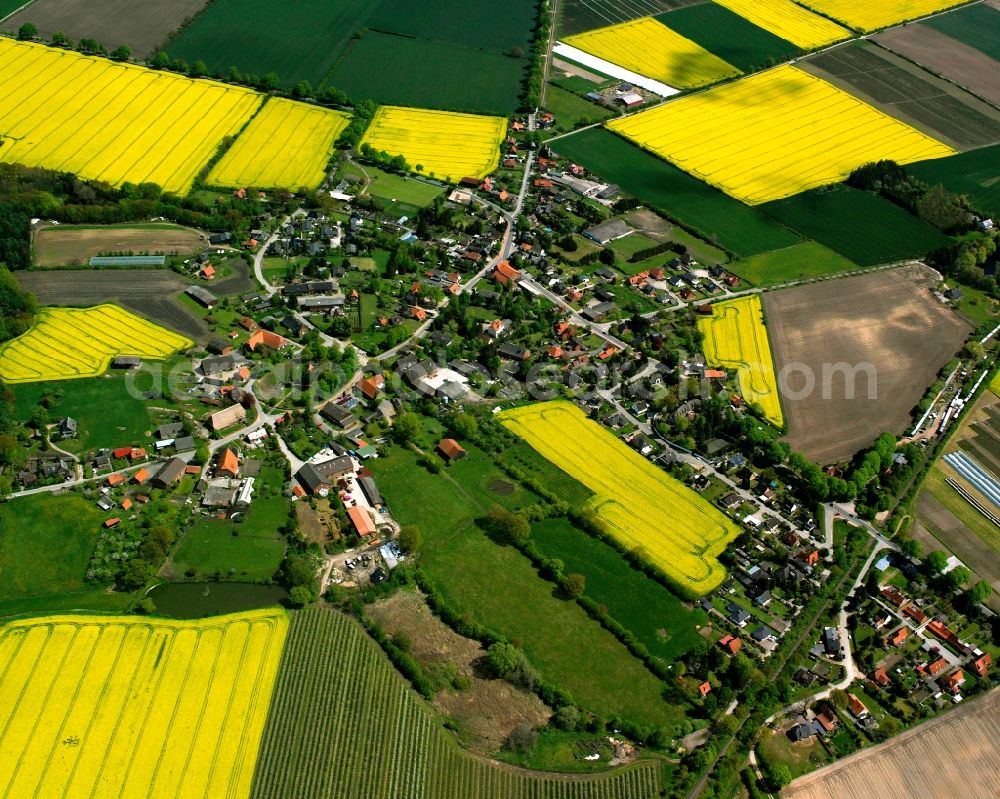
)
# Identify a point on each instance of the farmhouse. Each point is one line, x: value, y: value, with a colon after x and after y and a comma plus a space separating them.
x: 227, y: 417
x: 268, y: 339
x: 171, y: 472
x: 229, y: 463
x: 339, y: 415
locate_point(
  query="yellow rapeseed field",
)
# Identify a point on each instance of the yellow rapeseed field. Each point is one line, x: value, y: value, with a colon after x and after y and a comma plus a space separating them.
x: 66, y: 343
x: 445, y: 144
x: 789, y: 20
x: 655, y: 51
x: 736, y: 338
x: 641, y: 506
x: 866, y: 15
x: 113, y: 122
x: 104, y: 706
x: 287, y: 145
x: 775, y: 134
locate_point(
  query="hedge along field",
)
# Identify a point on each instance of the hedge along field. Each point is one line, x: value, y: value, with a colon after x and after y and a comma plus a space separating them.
x: 351, y: 728
x: 652, y: 49
x: 104, y: 705
x: 296, y: 41
x: 446, y: 145
x: 706, y: 210
x: 640, y: 506
x: 864, y: 15
x: 397, y: 70
x: 859, y: 225
x: 112, y: 122
x: 663, y: 623
x: 736, y: 338
x: 287, y: 145
x: 731, y: 37
x: 789, y: 20
x: 774, y: 134
x: 66, y: 343
x: 975, y: 173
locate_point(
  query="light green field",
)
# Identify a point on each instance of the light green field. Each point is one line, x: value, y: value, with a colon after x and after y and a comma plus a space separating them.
x: 803, y: 261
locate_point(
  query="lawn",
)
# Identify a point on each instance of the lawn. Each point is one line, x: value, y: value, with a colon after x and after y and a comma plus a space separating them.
x: 975, y: 173
x: 572, y: 111
x: 522, y: 456
x: 859, y: 225
x: 800, y: 262
x: 974, y: 25
x: 45, y: 546
x: 696, y: 205
x: 729, y: 36
x: 655, y: 616
x: 569, y: 649
x: 401, y: 195
x: 89, y: 401
x: 395, y: 70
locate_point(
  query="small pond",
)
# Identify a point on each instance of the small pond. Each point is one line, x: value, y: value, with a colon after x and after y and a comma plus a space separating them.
x: 194, y: 600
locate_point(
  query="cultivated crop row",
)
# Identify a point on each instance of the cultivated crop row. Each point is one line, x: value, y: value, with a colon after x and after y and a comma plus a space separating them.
x: 287, y: 145
x: 370, y: 737
x: 112, y: 122
x: 135, y: 707
x: 775, y: 134
x: 446, y: 145
x: 652, y: 49
x: 736, y: 338
x: 67, y: 343
x: 647, y: 511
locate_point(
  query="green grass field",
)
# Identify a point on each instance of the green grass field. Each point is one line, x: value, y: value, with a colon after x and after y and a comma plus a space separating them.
x: 210, y: 548
x: 568, y: 648
x: 107, y: 415
x: 729, y: 36
x: 395, y: 70
x: 297, y: 41
x: 401, y: 195
x: 572, y: 110
x: 657, y: 617
x: 975, y: 173
x: 372, y: 737
x: 714, y: 215
x: 45, y: 545
x: 859, y: 225
x: 547, y: 473
x: 799, y: 262
x: 975, y: 26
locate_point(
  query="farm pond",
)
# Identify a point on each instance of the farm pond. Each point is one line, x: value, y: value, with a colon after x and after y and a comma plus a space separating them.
x: 195, y: 600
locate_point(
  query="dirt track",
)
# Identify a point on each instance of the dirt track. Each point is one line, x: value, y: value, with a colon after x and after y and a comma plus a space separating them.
x: 887, y: 322
x: 947, y: 57
x: 141, y: 26
x: 954, y: 755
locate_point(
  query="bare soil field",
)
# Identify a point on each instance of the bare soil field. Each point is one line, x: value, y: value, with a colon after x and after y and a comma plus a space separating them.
x: 890, y: 332
x: 141, y: 26
x: 149, y: 292
x: 947, y: 57
x: 957, y: 754
x: 69, y: 245
x: 909, y: 93
x: 488, y: 710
